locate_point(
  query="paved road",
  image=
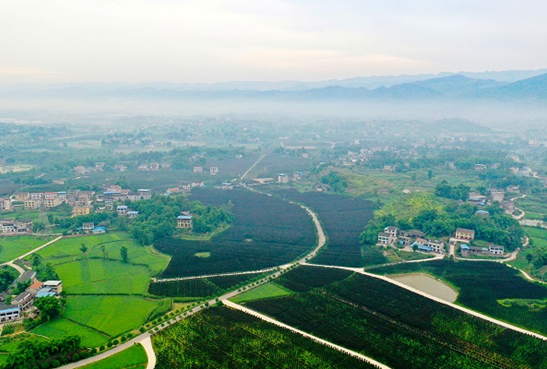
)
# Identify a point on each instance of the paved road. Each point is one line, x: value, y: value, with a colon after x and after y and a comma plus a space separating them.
x: 17, y: 267
x: 431, y: 297
x: 214, y: 275
x: 143, y: 339
x: 307, y: 335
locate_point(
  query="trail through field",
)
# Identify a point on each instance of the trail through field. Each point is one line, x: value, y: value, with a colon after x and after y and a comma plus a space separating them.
x: 159, y: 280
x: 441, y: 301
x: 17, y: 267
x: 252, y: 166
x: 307, y: 335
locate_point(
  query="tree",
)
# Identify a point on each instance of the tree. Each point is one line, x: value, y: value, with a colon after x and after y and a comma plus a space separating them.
x: 50, y: 307
x: 415, y: 247
x: 83, y: 248
x: 123, y: 254
x: 103, y: 249
x: 529, y: 257
x: 36, y: 260
x: 429, y: 175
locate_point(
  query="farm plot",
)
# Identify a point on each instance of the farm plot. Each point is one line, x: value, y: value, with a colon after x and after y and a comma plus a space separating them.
x: 13, y: 247
x: 372, y: 316
x: 98, y: 276
x: 131, y: 358
x: 305, y: 278
x: 486, y: 287
x: 112, y: 315
x: 343, y: 219
x: 202, y: 287
x: 225, y: 338
x: 60, y: 328
x: 266, y: 232
x: 264, y: 291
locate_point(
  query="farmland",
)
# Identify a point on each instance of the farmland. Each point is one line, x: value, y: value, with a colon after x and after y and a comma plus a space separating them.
x: 485, y: 287
x: 112, y: 315
x: 13, y: 247
x: 131, y: 358
x: 202, y: 287
x: 60, y: 328
x: 266, y: 232
x: 343, y: 219
x: 225, y: 338
x: 264, y: 291
x: 372, y: 316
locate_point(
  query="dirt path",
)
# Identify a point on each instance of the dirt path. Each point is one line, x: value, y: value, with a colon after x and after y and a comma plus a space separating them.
x: 307, y: 335
x: 252, y: 166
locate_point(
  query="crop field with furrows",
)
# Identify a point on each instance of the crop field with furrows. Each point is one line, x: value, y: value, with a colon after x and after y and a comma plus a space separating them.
x: 372, y: 317
x: 493, y: 289
x: 226, y: 338
x: 266, y: 232
x: 343, y: 219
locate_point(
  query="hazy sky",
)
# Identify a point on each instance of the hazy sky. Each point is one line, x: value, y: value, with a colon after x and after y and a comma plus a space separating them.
x: 270, y: 40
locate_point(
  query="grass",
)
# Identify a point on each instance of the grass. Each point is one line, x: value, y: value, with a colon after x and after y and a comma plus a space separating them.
x: 60, y: 328
x: 264, y: 291
x: 203, y: 254
x: 67, y: 249
x: 99, y: 276
x: 133, y: 357
x: 13, y: 247
x: 112, y: 315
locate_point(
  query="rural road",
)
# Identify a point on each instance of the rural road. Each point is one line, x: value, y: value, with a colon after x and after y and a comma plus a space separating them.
x: 17, y: 267
x: 143, y: 339
x: 307, y: 335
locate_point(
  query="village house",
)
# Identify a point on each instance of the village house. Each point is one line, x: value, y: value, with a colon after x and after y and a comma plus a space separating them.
x: 88, y: 227
x: 385, y: 239
x: 122, y: 210
x: 24, y: 300
x: 389, y: 168
x: 80, y: 210
x: 282, y: 178
x: 32, y: 204
x: 154, y: 166
x: 497, y: 194
x: 436, y: 246
x: 198, y: 169
x: 491, y: 250
x: 132, y: 214
x: 134, y: 196
x: 480, y: 167
x: 55, y: 286
x: 80, y: 170
x: 184, y: 221
x: 22, y: 196
x: 513, y: 189
x: 9, y: 313
x: 463, y: 234
x: 61, y: 195
x: 27, y: 276
x: 213, y: 171
x: 51, y: 203
x: 145, y: 193
x: 5, y: 204
x: 99, y: 230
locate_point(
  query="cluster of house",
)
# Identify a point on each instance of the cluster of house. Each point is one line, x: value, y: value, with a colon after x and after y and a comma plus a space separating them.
x: 99, y: 167
x: 212, y: 170
x: 413, y: 238
x: 11, y: 227
x: 416, y: 240
x: 13, y: 310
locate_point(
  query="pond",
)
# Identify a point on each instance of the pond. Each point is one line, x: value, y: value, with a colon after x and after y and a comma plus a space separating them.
x: 427, y: 284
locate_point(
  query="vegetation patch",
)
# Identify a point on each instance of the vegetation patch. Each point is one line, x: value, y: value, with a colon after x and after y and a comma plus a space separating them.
x: 13, y: 247
x: 226, y: 338
x: 343, y: 219
x: 264, y: 291
x: 482, y: 285
x: 112, y: 315
x: 184, y: 288
x: 202, y: 254
x: 305, y: 278
x: 373, y: 317
x: 280, y: 233
x: 60, y: 328
x: 131, y: 358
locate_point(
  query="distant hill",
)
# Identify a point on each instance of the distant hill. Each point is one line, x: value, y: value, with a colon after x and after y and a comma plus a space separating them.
x: 534, y: 88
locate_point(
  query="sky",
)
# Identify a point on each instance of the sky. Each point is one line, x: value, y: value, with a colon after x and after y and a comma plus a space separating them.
x: 193, y: 41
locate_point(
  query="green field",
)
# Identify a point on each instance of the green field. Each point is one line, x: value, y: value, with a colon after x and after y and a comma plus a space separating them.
x: 68, y: 249
x: 112, y: 315
x: 60, y: 328
x: 133, y: 357
x: 13, y: 247
x: 264, y: 291
x: 98, y: 276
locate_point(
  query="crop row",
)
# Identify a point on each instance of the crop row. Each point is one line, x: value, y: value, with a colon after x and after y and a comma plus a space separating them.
x: 373, y: 317
x: 225, y: 338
